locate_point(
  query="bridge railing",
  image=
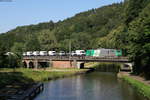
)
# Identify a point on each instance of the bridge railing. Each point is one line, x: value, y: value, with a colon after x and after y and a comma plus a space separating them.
x: 75, y: 58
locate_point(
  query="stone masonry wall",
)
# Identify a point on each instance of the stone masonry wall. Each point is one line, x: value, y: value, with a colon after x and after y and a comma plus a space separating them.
x: 62, y: 64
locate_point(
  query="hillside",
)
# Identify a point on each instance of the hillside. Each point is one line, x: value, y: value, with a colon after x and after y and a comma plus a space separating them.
x: 82, y: 29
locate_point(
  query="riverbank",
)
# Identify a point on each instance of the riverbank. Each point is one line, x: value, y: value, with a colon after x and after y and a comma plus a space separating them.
x: 139, y: 83
x: 17, y: 81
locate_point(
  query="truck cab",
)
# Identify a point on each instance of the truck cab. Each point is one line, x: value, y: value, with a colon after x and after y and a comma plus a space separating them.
x: 80, y: 52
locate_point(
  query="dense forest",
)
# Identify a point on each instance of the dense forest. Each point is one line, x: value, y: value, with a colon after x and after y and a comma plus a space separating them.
x: 124, y: 25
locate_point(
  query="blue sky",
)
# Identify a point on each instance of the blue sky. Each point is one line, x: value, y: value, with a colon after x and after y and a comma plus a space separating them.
x: 26, y: 12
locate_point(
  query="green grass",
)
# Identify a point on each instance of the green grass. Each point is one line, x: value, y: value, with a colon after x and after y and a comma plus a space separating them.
x: 91, y: 64
x: 27, y: 76
x: 139, y: 86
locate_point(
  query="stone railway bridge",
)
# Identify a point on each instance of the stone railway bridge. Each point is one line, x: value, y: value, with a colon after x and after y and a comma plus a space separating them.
x: 72, y: 61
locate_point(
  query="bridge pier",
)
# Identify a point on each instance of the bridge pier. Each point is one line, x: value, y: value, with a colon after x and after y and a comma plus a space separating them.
x: 67, y: 64
x: 27, y: 63
x: 50, y: 63
x: 35, y: 64
x: 74, y: 63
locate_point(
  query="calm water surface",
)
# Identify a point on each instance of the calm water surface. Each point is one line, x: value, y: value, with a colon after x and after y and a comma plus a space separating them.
x: 93, y: 86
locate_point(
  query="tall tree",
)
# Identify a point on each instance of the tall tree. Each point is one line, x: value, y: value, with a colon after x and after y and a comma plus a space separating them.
x: 32, y: 43
x: 3, y: 57
x: 47, y: 40
x: 139, y: 42
x: 133, y: 9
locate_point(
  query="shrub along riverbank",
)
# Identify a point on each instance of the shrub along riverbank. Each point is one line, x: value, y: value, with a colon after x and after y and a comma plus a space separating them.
x: 142, y: 88
x: 20, y: 75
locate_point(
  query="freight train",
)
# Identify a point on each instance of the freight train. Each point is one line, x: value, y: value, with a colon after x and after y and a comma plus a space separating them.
x: 91, y: 53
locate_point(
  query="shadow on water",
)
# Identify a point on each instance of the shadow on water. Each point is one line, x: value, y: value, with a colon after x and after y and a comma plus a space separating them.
x: 13, y: 83
x: 10, y: 78
x: 107, y: 67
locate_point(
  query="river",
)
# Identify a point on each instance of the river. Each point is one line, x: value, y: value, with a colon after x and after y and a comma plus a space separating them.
x: 92, y: 86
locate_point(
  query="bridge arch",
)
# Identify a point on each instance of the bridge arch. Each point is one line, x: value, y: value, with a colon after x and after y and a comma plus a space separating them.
x: 31, y: 64
x: 126, y: 67
x: 43, y: 64
x: 80, y: 65
x: 24, y: 64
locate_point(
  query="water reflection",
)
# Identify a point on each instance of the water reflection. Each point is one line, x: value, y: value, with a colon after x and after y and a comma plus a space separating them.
x: 93, y: 86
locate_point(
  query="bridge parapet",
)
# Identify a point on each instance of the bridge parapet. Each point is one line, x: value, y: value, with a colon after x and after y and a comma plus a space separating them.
x: 79, y: 58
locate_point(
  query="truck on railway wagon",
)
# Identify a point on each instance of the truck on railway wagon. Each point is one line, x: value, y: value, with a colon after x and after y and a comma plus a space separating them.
x: 80, y: 53
x: 62, y: 53
x: 43, y: 53
x: 73, y: 53
x: 52, y: 53
x: 29, y: 53
x: 36, y: 53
